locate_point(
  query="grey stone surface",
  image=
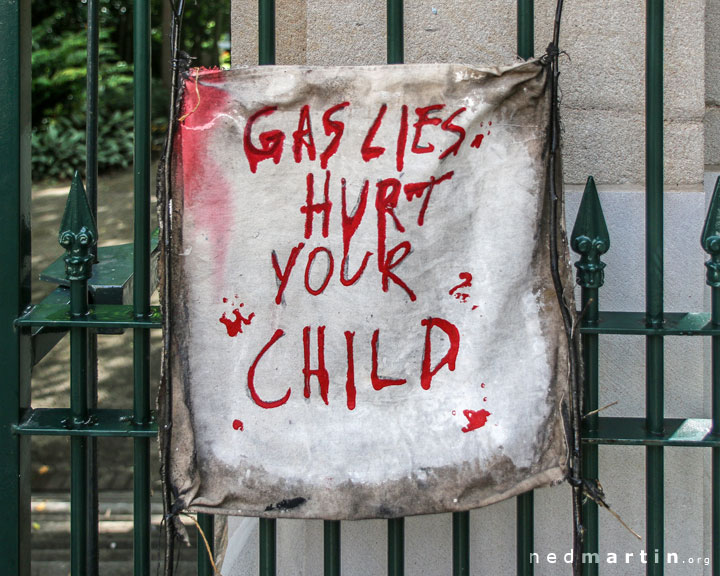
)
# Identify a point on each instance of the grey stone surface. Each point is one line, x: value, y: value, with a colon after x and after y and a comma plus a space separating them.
x: 244, y: 32
x: 346, y: 33
x: 602, y: 81
x: 610, y: 145
x: 712, y: 83
x: 712, y: 51
x: 712, y: 135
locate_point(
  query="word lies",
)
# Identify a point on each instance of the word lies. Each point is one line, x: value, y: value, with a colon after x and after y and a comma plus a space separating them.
x: 269, y: 144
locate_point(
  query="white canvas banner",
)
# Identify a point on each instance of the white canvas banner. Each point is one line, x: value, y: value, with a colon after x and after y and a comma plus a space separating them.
x: 362, y: 317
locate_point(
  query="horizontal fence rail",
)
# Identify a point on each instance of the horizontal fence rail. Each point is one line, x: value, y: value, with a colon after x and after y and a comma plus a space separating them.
x: 83, y: 308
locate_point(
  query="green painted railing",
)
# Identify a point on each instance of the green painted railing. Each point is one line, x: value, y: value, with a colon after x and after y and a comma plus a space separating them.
x: 28, y: 332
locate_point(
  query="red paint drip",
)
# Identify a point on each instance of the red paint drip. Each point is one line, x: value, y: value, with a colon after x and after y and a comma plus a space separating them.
x: 477, y: 141
x: 475, y: 419
x: 234, y: 327
x: 238, y: 425
x: 466, y: 278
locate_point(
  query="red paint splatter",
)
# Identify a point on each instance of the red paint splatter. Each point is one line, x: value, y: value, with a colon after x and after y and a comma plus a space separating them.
x: 462, y: 297
x: 477, y: 141
x: 475, y: 419
x: 482, y: 385
x: 485, y: 399
x: 490, y: 123
x: 225, y: 300
x: 206, y: 192
x: 234, y: 327
x: 238, y: 425
x: 475, y: 307
x: 466, y: 278
x: 453, y: 412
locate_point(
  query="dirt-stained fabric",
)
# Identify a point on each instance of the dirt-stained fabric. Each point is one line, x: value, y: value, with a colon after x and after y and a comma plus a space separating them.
x: 361, y: 317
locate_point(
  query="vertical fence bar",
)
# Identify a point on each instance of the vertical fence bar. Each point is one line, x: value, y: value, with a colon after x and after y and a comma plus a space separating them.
x: 525, y: 28
x: 79, y: 497
x: 78, y: 236
x: 141, y: 285
x: 524, y: 535
x: 15, y: 283
x: 395, y: 32
x: 266, y: 56
x: 268, y: 538
x: 525, y: 502
x: 91, y: 181
x: 266, y: 32
x: 590, y: 239
x: 396, y: 547
x: 710, y: 241
x: 91, y: 110
x: 654, y: 399
x: 715, y: 518
x: 461, y: 543
x: 716, y: 425
x: 332, y: 547
x: 395, y: 55
x: 207, y: 525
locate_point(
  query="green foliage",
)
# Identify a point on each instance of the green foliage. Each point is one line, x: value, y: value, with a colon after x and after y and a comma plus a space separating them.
x: 58, y: 107
x: 205, y: 28
x: 59, y: 77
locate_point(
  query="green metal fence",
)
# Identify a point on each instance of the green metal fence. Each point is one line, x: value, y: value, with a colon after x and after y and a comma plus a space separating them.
x: 28, y: 332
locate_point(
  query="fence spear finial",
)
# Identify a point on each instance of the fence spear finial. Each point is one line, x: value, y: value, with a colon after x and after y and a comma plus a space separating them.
x: 710, y: 238
x: 590, y: 238
x: 78, y: 233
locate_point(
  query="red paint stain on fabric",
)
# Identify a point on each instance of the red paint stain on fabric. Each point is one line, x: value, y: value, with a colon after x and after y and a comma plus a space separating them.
x: 475, y: 419
x: 482, y: 385
x: 238, y: 425
x: 235, y: 327
x: 206, y: 192
x: 466, y: 278
x: 477, y: 141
